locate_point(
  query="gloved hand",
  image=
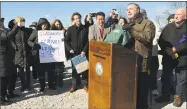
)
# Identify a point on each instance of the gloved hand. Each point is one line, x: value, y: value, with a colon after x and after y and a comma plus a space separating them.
x: 126, y: 27
x: 36, y: 46
x: 62, y: 39
x: 170, y: 52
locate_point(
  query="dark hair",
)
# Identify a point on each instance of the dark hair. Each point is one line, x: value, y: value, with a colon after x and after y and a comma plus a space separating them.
x: 137, y: 6
x: 171, y: 17
x: 11, y: 24
x: 100, y: 14
x: 125, y: 20
x: 75, y: 13
x: 87, y: 24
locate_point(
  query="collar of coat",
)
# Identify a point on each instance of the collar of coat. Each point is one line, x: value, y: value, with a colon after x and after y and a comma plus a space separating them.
x: 138, y: 20
x: 180, y: 25
x: 80, y: 27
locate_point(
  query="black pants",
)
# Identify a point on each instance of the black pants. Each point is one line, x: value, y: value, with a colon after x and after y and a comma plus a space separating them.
x: 59, y: 70
x: 167, y: 73
x: 34, y: 72
x: 153, y: 72
x: 76, y: 80
x: 25, y: 77
x: 12, y: 83
x: 3, y: 87
x: 142, y: 90
x: 49, y: 68
x: 181, y: 82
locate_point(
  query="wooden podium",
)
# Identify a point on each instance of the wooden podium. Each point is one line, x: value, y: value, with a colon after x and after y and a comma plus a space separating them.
x: 112, y: 76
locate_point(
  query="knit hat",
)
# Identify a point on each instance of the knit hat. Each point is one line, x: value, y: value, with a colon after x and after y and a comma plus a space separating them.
x: 171, y: 17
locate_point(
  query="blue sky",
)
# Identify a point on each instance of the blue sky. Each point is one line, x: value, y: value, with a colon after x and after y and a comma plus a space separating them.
x: 32, y: 11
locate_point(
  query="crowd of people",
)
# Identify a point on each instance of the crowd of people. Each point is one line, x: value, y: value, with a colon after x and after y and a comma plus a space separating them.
x: 19, y: 50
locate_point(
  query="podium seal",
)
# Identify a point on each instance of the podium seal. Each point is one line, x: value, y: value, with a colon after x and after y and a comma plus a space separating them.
x: 99, y: 68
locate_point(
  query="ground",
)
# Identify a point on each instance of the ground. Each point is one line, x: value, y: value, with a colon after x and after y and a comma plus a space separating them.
x: 61, y: 98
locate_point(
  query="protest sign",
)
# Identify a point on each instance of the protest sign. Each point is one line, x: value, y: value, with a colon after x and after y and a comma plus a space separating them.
x: 80, y: 63
x: 52, y: 46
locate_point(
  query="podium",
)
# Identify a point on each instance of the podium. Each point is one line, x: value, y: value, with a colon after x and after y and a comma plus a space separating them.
x: 112, y: 76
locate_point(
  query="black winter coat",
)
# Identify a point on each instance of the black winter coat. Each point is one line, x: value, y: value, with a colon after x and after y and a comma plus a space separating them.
x: 77, y: 40
x: 33, y: 39
x: 5, y: 57
x: 169, y: 37
x: 22, y: 50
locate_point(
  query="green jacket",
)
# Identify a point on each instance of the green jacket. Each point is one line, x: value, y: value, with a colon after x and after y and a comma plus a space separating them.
x: 118, y: 36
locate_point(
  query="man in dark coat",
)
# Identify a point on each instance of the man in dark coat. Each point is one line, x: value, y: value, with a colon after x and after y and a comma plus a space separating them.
x: 143, y: 33
x: 5, y: 63
x: 22, y: 51
x: 173, y: 42
x: 76, y: 43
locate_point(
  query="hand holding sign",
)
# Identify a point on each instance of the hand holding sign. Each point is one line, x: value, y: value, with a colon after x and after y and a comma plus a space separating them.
x: 51, y: 46
x: 82, y: 54
x: 36, y: 46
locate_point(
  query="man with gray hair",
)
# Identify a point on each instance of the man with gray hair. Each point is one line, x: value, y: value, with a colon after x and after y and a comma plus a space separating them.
x: 173, y: 42
x: 143, y: 33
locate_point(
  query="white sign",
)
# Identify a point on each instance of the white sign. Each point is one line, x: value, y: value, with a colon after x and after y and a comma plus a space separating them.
x: 52, y: 46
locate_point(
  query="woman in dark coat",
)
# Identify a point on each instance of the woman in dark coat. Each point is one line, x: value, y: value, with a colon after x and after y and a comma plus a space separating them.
x: 43, y: 24
x: 5, y: 62
x: 59, y: 66
x: 11, y: 50
x: 22, y: 51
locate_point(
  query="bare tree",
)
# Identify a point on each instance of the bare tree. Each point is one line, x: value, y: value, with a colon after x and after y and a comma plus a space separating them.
x: 176, y: 5
x: 158, y: 21
x: 173, y: 6
x: 122, y: 10
x: 166, y: 12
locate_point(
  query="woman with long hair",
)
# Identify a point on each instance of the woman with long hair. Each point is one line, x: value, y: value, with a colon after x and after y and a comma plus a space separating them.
x: 59, y: 66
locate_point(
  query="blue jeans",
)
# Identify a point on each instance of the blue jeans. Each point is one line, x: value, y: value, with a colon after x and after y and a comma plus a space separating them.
x: 181, y: 82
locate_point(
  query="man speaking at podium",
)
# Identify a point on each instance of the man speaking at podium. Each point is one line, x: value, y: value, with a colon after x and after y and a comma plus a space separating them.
x: 100, y: 30
x: 142, y: 32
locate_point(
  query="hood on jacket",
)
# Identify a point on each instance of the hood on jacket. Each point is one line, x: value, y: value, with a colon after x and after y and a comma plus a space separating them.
x: 11, y: 24
x: 42, y: 21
